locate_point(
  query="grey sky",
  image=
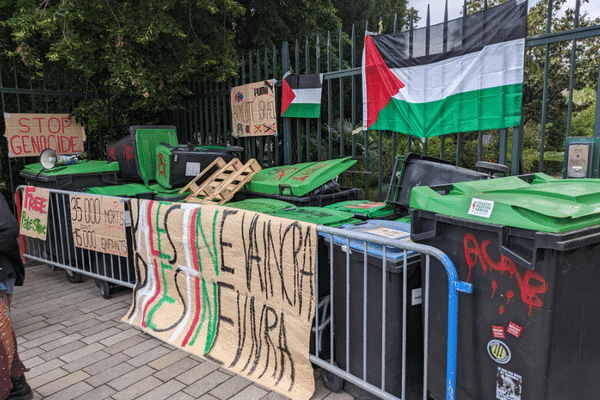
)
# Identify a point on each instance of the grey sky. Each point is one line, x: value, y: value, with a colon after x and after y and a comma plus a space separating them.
x: 455, y: 8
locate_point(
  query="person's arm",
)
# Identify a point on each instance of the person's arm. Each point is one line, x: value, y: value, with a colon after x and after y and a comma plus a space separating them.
x: 9, y: 227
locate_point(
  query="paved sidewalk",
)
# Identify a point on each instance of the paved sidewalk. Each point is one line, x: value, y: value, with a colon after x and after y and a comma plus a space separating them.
x: 77, y: 347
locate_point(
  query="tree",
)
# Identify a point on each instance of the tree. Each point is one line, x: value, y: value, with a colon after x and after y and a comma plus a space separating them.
x: 141, y: 52
x: 272, y: 22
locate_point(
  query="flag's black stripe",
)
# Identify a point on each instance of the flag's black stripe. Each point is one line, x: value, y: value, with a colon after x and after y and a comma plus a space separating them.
x: 498, y: 24
x: 309, y: 81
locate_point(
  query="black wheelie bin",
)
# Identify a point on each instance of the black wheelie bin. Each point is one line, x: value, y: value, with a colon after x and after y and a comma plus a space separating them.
x: 530, y: 246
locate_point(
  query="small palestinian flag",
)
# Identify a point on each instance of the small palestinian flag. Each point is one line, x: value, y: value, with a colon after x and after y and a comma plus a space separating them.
x: 301, y: 96
x: 460, y: 76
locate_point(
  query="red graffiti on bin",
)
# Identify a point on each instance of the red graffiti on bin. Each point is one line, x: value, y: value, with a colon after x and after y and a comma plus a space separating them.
x: 531, y: 284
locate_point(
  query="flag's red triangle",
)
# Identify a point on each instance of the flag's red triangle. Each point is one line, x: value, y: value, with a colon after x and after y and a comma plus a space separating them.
x: 287, y: 95
x: 381, y: 82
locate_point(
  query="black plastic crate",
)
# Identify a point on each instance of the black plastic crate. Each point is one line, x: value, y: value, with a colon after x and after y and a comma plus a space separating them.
x: 418, y: 170
x: 76, y: 177
x: 318, y: 200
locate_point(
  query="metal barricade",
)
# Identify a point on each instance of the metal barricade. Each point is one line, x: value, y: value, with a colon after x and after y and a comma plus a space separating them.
x: 59, y: 249
x: 337, y: 285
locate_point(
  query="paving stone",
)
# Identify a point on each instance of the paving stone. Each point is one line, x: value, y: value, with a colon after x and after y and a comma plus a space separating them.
x: 62, y: 350
x: 99, y: 393
x: 176, y: 369
x: 130, y: 378
x: 148, y: 356
x: 123, y: 345
x: 163, y: 391
x: 71, y: 392
x: 120, y: 337
x: 60, y: 342
x: 83, y: 352
x: 109, y: 375
x: 87, y: 339
x: 168, y: 359
x: 47, y: 377
x: 198, y: 372
x: 143, y: 347
x: 251, y: 392
x: 137, y: 389
x: 230, y: 387
x: 206, y: 384
x: 106, y: 363
x: 43, y: 368
x: 83, y: 362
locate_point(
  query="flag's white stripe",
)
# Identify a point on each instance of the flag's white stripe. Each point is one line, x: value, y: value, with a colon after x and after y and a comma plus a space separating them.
x: 496, y: 65
x: 307, y: 96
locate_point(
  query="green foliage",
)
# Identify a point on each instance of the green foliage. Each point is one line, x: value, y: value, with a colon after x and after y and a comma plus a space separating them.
x: 583, y: 122
x: 272, y: 22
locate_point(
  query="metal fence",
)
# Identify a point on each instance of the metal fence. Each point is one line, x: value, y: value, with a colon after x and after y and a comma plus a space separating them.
x: 338, y: 57
x: 394, y: 334
x: 205, y: 117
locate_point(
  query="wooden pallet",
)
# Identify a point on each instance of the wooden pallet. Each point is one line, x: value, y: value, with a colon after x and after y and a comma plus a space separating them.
x: 223, y: 183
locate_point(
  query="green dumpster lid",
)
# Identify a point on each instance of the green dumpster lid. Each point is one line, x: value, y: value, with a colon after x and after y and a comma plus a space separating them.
x: 367, y: 208
x: 317, y: 215
x: 81, y: 167
x: 541, y: 203
x: 147, y: 138
x: 125, y: 189
x: 261, y: 205
x: 298, y: 179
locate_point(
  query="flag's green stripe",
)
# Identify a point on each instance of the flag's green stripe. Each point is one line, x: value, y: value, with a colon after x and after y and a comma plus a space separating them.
x: 494, y: 108
x: 303, y: 110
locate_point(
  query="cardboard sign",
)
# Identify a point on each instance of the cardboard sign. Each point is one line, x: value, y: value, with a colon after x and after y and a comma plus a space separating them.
x: 34, y: 212
x: 236, y: 287
x: 253, y: 111
x: 98, y: 224
x: 30, y: 134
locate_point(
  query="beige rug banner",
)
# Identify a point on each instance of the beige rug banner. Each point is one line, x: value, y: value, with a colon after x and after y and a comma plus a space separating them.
x: 236, y: 287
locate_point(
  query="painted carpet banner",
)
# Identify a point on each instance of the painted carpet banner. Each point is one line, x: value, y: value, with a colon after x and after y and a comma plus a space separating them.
x: 301, y: 96
x: 233, y: 286
x: 465, y: 76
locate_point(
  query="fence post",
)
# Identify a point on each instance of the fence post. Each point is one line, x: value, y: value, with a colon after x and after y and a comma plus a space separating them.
x: 287, y: 124
x: 597, y: 124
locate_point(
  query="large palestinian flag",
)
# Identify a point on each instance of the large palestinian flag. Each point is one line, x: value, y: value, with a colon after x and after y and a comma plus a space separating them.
x: 301, y: 96
x: 463, y: 76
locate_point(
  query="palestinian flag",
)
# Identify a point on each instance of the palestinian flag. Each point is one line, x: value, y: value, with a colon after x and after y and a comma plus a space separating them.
x: 301, y: 96
x: 463, y: 75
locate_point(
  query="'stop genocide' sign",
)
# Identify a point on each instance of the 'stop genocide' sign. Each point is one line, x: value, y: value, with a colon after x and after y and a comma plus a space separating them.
x: 253, y: 111
x: 30, y: 134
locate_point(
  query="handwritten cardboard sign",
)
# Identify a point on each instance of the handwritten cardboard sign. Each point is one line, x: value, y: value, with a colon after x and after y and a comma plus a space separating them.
x: 98, y: 223
x: 253, y: 111
x: 30, y: 134
x: 236, y: 287
x: 34, y: 212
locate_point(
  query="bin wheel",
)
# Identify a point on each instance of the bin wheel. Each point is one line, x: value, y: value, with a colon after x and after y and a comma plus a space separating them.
x: 73, y: 277
x: 104, y: 288
x: 331, y: 381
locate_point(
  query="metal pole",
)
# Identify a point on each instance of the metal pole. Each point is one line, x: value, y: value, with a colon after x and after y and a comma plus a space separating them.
x: 545, y: 93
x: 597, y: 124
x: 572, y: 74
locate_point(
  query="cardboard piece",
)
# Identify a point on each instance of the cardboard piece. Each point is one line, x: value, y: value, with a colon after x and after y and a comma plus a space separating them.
x: 98, y: 223
x: 34, y: 212
x: 234, y: 286
x: 30, y: 134
x: 253, y: 109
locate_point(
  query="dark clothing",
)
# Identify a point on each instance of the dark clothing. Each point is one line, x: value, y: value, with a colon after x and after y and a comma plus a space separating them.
x: 11, y: 264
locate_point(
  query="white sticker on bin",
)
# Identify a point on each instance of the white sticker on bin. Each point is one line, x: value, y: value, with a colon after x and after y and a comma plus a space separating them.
x: 417, y: 296
x: 192, y: 169
x: 481, y: 208
x: 390, y: 233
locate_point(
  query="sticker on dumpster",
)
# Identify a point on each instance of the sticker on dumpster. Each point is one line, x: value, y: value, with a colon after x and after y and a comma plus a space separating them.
x: 498, y: 351
x: 192, y: 168
x: 498, y: 331
x: 417, y: 296
x: 514, y: 329
x: 481, y: 208
x: 390, y: 233
x: 508, y: 385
